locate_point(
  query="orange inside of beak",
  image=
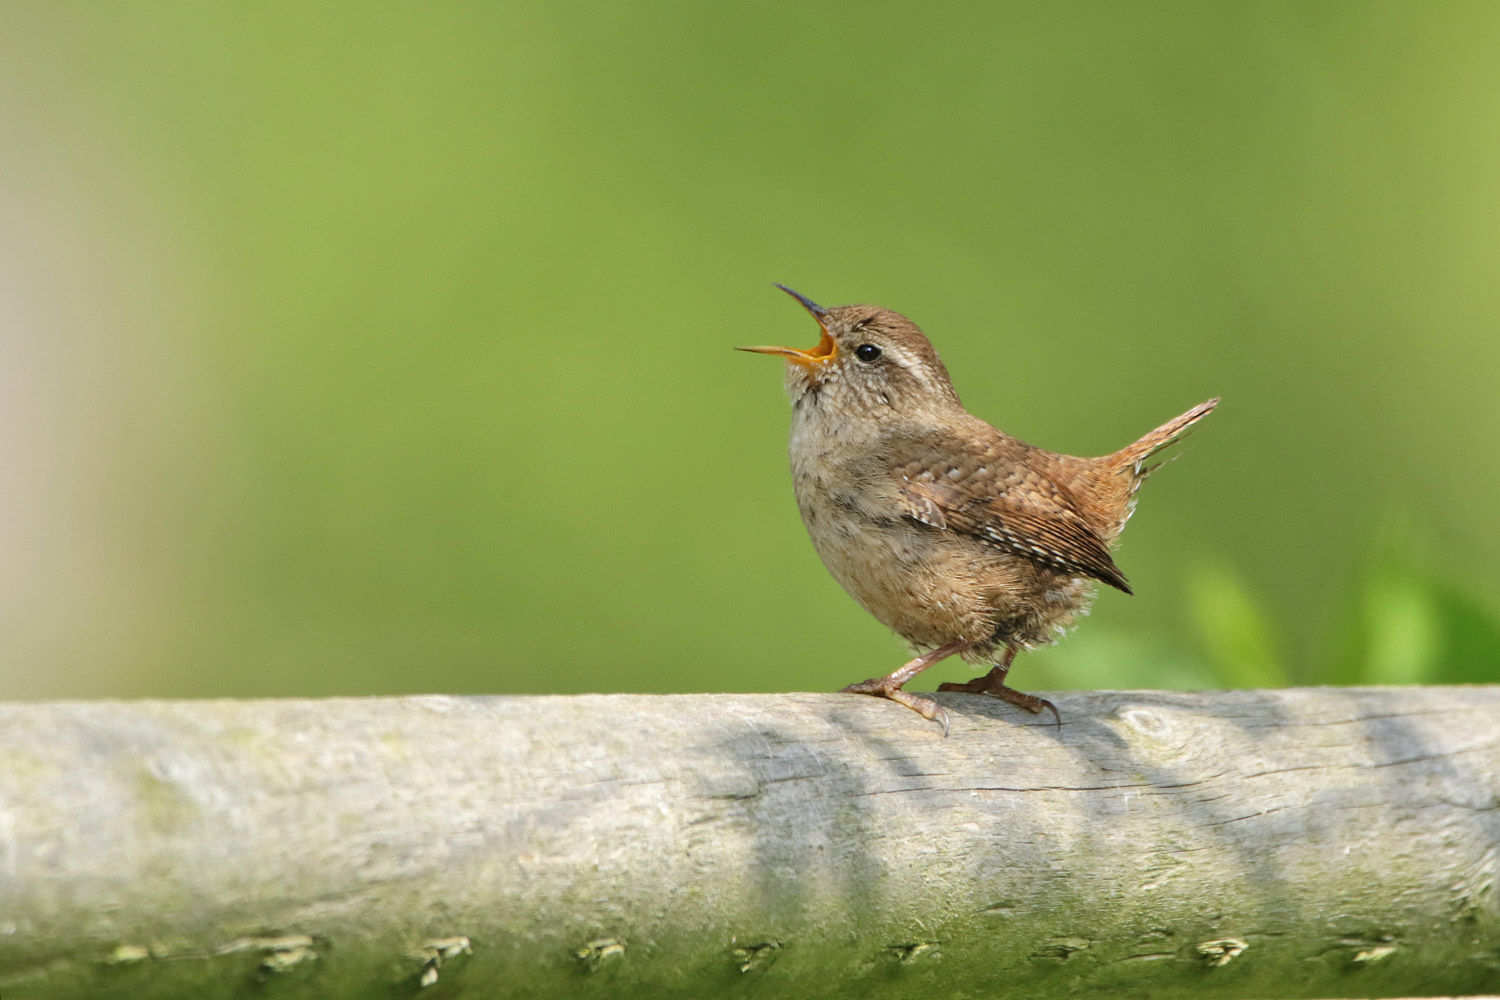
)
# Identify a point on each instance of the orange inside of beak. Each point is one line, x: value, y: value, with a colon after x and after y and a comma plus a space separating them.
x: 817, y: 354
x: 824, y: 349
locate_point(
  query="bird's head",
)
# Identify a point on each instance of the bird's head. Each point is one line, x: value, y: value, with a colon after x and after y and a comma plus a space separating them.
x: 869, y: 360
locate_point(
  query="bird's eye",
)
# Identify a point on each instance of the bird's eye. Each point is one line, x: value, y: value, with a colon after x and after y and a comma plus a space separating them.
x: 867, y: 353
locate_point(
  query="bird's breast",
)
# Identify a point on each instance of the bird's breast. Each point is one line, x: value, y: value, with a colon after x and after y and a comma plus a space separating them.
x: 838, y: 476
x: 849, y: 505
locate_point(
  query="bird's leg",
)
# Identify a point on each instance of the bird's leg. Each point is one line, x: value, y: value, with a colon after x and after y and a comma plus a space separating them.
x: 889, y: 686
x: 993, y: 684
x: 986, y: 684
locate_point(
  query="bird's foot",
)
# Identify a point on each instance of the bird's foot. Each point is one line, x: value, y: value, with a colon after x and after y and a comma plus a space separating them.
x: 890, y: 685
x: 994, y: 686
x: 881, y: 687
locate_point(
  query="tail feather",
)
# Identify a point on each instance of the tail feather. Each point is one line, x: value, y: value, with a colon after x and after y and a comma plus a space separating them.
x: 1154, y: 441
x: 1114, y: 479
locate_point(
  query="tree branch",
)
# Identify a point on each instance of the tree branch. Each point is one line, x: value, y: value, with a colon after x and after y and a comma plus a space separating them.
x: 1319, y: 842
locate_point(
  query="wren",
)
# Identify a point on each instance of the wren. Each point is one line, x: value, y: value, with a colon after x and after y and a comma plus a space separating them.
x: 956, y: 536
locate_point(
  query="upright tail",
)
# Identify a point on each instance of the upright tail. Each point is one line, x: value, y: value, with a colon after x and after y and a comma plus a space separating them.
x: 1113, y: 480
x: 1132, y: 455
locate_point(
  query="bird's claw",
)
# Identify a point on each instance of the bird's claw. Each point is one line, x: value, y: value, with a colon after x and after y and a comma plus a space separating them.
x: 987, y: 686
x: 880, y: 688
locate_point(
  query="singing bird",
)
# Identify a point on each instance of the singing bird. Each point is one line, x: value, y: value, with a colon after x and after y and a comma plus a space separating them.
x: 958, y: 537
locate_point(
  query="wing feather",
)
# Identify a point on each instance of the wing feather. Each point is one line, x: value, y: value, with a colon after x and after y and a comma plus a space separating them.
x: 1003, y: 500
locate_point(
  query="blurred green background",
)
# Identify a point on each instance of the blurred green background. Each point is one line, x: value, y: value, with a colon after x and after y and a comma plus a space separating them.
x: 387, y: 348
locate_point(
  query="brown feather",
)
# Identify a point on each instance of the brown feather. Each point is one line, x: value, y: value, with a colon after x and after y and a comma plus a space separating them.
x: 999, y: 493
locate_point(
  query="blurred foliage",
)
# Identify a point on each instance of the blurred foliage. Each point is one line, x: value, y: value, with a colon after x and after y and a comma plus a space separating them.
x: 1235, y: 630
x: 381, y: 347
x: 1399, y: 621
x: 1406, y: 623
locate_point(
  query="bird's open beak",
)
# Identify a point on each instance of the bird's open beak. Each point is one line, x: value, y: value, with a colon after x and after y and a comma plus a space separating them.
x: 814, y: 355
